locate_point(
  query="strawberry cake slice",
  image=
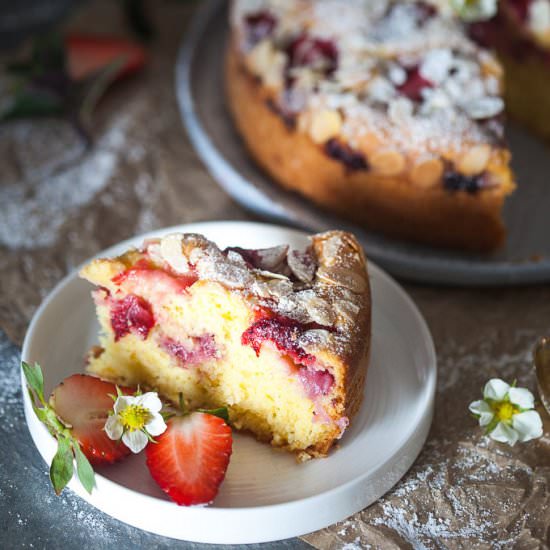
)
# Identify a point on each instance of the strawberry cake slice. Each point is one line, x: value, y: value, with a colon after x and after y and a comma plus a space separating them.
x: 279, y: 336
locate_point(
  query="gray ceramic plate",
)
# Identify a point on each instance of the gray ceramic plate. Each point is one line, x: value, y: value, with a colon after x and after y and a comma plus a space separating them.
x: 199, y: 83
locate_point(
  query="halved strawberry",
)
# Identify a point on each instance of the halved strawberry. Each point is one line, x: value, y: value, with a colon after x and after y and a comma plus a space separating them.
x: 190, y: 458
x: 87, y: 53
x: 83, y: 402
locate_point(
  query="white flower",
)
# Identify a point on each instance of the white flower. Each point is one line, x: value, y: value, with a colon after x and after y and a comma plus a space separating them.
x: 475, y: 10
x: 507, y: 413
x: 136, y: 419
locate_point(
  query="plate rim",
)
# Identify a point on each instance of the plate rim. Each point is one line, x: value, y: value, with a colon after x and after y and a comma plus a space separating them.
x: 425, y: 269
x: 421, y: 423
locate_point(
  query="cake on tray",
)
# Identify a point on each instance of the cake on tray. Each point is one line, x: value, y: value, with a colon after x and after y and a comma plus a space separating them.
x: 279, y: 336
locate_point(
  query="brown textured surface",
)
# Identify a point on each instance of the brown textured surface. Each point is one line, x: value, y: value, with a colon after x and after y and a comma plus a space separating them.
x: 463, y: 491
x: 388, y: 204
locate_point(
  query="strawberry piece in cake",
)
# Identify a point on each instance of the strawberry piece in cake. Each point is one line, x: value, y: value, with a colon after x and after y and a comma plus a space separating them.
x: 279, y: 336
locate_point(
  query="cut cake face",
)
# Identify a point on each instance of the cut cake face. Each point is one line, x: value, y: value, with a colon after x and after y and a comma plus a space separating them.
x: 281, y: 337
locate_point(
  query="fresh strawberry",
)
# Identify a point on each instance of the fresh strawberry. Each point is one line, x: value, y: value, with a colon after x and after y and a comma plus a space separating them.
x: 83, y: 402
x: 190, y: 458
x: 87, y: 54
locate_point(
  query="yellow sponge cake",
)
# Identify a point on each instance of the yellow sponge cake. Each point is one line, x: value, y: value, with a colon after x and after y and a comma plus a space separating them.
x: 281, y: 337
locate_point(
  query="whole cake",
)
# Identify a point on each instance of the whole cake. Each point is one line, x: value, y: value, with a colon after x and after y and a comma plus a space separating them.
x: 385, y: 112
x: 281, y: 337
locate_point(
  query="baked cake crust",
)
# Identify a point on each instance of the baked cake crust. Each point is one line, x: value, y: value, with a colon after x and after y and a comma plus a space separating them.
x: 329, y: 296
x: 437, y: 192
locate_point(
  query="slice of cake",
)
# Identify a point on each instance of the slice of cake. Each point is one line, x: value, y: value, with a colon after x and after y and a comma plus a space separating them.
x: 520, y: 34
x: 385, y: 112
x: 281, y: 337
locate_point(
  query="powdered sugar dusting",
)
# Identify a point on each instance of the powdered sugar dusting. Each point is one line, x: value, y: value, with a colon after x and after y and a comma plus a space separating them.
x: 39, y: 207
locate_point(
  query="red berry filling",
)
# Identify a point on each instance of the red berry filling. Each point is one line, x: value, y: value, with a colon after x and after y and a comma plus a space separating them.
x: 259, y: 25
x: 413, y: 86
x: 313, y: 52
x: 352, y: 160
x: 425, y: 11
x: 316, y: 382
x: 132, y: 314
x: 143, y: 272
x: 520, y: 8
x: 202, y: 349
x: 285, y: 334
x: 453, y: 181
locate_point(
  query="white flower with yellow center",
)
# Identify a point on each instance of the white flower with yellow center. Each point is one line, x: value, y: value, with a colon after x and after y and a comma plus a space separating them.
x: 506, y: 413
x: 136, y: 420
x: 475, y: 10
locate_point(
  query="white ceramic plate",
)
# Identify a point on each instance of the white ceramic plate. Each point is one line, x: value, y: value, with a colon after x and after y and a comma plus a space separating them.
x: 266, y: 495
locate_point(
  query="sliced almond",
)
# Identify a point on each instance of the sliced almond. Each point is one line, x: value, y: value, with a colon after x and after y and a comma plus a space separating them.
x: 172, y: 253
x: 268, y: 63
x: 273, y: 77
x: 302, y: 265
x: 475, y: 160
x: 387, y: 163
x: 427, y: 172
x: 343, y: 277
x: 259, y: 57
x: 325, y: 125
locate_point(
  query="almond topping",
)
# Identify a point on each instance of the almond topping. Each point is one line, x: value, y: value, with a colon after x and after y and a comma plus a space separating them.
x: 268, y: 63
x: 427, y: 172
x: 172, y: 253
x: 325, y: 125
x: 343, y: 277
x: 475, y: 160
x: 388, y: 163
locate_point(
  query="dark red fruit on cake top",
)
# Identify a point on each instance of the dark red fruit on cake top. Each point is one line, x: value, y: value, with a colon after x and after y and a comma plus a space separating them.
x: 201, y: 349
x: 259, y: 25
x: 520, y: 8
x: 132, y: 314
x: 425, y: 11
x: 351, y: 159
x: 413, y: 86
x: 313, y: 52
x: 454, y: 181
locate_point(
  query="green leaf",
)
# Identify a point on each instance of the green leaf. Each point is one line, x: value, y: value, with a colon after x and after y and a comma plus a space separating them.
x: 42, y: 415
x: 83, y: 468
x: 61, y: 469
x: 35, y: 379
x: 221, y: 412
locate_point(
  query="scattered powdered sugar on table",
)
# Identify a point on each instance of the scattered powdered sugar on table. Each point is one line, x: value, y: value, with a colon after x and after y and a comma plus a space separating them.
x: 10, y: 388
x: 40, y: 205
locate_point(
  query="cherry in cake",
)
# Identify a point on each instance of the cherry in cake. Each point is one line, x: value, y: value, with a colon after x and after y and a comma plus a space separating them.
x: 279, y: 336
x: 386, y: 112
